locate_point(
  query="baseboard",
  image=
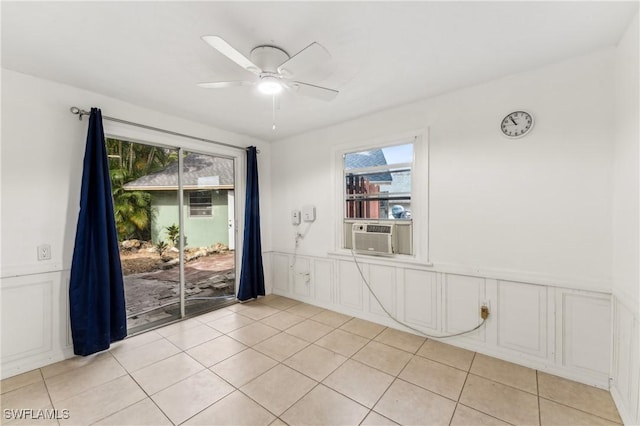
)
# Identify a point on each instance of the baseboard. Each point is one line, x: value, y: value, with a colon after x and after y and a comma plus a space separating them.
x: 598, y: 380
x: 627, y: 416
x: 14, y: 368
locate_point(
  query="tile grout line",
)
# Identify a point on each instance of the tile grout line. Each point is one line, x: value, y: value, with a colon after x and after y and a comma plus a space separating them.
x: 320, y: 382
x: 142, y: 389
x: 299, y: 399
x: 248, y: 396
x: 257, y: 403
x: 503, y: 384
x: 442, y: 363
x: 213, y: 372
x: 370, y: 339
x: 538, y: 399
x: 486, y: 414
x: 365, y: 417
x: 578, y: 409
x: 44, y: 382
x: 88, y: 389
x: 396, y: 377
x: 468, y: 372
x: 388, y: 386
x: 462, y: 389
x: 265, y: 372
x: 284, y: 365
x: 222, y: 378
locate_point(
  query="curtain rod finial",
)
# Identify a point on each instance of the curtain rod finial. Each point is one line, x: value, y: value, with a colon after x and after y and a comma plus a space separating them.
x: 77, y: 111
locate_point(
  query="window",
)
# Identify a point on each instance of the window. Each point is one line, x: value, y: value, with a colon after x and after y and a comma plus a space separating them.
x: 377, y: 186
x: 378, y: 183
x: 200, y: 204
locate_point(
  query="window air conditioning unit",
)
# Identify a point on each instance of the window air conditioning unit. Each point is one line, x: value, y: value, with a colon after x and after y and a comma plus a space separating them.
x: 372, y: 238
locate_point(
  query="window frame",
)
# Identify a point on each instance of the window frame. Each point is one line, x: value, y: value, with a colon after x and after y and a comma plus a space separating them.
x: 419, y: 193
x: 189, y: 205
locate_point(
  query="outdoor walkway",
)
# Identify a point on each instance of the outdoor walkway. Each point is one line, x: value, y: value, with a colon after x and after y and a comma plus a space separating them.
x: 209, y: 276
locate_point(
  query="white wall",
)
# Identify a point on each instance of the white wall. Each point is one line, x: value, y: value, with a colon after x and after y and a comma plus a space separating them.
x: 42, y: 153
x: 626, y: 171
x: 626, y: 229
x: 538, y: 206
x: 511, y: 221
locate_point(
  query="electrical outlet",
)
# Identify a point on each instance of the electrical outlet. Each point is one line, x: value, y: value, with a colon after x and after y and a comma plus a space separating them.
x: 484, y: 312
x: 484, y: 309
x: 44, y: 252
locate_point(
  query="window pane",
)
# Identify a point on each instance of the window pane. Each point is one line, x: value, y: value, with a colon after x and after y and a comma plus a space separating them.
x: 377, y: 199
x: 400, y: 182
x: 378, y: 183
x: 379, y: 209
x: 399, y: 154
x: 200, y: 211
x: 359, y: 160
x: 200, y: 203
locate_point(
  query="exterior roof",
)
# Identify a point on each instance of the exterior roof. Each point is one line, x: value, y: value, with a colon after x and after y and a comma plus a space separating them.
x: 201, y: 171
x: 359, y: 160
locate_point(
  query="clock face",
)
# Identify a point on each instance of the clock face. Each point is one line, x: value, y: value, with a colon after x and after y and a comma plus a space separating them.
x: 516, y: 124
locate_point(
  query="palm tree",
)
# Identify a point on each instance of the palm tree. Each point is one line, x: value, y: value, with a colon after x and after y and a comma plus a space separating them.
x: 129, y: 161
x: 132, y: 209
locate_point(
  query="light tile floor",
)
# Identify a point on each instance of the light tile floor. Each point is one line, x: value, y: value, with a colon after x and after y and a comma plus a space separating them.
x: 278, y: 361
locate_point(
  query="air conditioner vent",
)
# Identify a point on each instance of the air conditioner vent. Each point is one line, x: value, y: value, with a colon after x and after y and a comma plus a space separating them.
x: 372, y: 238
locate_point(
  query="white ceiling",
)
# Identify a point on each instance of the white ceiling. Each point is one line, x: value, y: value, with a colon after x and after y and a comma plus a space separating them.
x: 383, y: 53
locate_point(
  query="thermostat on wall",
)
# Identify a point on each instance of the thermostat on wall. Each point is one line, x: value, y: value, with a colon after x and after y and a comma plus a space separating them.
x: 309, y: 213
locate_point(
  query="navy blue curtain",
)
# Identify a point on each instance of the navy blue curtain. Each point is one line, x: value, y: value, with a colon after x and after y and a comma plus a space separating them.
x: 96, y: 290
x: 252, y: 275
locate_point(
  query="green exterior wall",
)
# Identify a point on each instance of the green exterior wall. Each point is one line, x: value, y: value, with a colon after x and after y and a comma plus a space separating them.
x: 200, y: 231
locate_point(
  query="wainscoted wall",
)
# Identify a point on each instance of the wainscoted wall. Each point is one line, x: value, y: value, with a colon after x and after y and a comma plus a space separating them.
x: 625, y: 368
x: 562, y: 331
x: 43, y: 336
x: 41, y: 170
x: 625, y: 387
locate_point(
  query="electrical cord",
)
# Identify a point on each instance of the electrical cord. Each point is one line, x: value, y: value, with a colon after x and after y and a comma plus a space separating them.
x: 292, y: 266
x: 353, y: 254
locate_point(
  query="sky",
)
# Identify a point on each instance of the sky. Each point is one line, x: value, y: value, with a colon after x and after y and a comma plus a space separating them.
x: 399, y: 154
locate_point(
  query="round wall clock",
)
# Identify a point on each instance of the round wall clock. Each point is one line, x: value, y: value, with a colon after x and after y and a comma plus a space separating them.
x: 516, y: 124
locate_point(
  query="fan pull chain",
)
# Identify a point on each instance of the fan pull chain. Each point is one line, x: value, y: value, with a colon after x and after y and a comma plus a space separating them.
x: 274, y: 112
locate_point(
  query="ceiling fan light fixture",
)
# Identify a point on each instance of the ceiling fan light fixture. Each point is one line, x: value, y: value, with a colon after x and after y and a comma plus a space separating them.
x: 270, y: 86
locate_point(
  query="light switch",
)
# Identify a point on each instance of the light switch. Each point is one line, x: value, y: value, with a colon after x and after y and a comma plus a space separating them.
x: 295, y: 217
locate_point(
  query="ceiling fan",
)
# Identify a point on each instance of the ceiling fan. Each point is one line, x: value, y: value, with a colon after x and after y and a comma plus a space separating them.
x: 274, y: 68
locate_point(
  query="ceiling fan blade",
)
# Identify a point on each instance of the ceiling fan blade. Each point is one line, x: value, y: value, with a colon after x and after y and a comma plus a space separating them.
x: 224, y: 84
x: 306, y: 59
x: 312, y: 91
x: 230, y: 52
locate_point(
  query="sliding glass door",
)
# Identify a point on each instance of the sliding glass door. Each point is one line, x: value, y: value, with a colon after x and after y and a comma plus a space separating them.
x: 173, y: 211
x: 209, y: 267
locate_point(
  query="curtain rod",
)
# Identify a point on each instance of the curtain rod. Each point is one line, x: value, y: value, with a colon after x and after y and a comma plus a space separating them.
x: 80, y: 112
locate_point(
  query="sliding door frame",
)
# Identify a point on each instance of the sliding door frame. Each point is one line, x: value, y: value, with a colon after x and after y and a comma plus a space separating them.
x: 162, y: 140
